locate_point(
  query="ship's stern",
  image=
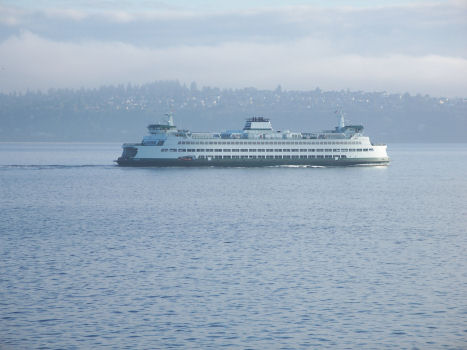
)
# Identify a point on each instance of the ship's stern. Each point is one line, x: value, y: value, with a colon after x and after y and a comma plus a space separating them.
x: 128, y: 154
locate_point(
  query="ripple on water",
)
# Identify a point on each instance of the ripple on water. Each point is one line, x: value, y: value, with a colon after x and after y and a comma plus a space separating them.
x: 96, y: 256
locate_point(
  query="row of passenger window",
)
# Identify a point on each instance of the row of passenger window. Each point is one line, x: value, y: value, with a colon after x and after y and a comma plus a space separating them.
x: 267, y: 150
x: 275, y: 157
x: 269, y: 142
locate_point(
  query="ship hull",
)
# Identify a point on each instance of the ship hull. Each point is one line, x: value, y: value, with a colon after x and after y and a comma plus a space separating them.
x: 163, y: 162
x: 257, y: 145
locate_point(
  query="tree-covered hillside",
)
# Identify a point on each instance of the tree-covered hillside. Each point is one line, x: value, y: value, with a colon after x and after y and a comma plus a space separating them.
x: 121, y: 113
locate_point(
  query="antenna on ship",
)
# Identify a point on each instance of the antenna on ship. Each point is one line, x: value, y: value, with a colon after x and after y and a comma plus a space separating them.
x: 342, y: 119
x: 170, y: 119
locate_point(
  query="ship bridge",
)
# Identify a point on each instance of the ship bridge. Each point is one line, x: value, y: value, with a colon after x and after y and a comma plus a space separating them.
x: 257, y: 124
x: 164, y: 127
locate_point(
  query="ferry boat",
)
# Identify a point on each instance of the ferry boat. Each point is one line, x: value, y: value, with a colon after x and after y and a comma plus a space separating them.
x: 258, y: 144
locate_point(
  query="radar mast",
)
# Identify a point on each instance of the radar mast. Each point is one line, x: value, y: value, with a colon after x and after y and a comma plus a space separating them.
x: 169, y: 119
x: 340, y: 114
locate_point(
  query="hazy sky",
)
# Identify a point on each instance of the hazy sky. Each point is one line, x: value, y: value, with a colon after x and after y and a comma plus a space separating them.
x: 396, y: 46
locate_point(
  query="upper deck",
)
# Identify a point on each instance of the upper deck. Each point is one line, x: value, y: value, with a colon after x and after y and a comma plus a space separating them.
x: 255, y: 128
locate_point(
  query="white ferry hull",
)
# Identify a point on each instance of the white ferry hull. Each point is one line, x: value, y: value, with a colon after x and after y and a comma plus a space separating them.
x: 255, y: 146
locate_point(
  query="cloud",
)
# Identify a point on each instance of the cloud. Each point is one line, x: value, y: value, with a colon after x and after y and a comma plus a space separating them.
x: 10, y: 16
x: 29, y: 61
x: 414, y: 30
x: 418, y: 48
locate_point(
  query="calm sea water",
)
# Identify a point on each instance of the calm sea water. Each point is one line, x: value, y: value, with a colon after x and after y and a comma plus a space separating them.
x: 97, y: 256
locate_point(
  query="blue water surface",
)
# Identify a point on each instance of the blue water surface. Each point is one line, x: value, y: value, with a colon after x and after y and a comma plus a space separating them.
x: 97, y: 256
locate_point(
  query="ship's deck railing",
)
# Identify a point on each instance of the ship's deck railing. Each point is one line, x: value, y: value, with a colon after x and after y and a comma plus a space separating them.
x: 274, y: 136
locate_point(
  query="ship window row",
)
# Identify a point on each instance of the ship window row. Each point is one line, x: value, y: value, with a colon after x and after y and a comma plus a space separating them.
x: 269, y: 142
x: 153, y: 142
x: 268, y: 150
x: 328, y: 156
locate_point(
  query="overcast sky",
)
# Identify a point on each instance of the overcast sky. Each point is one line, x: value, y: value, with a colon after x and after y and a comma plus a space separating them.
x: 396, y: 46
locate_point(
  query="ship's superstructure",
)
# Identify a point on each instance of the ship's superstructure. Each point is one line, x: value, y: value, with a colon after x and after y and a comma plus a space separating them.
x: 256, y: 145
